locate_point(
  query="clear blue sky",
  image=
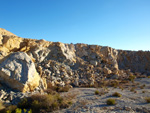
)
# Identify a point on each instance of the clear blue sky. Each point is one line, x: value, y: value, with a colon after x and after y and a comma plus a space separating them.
x: 121, y: 24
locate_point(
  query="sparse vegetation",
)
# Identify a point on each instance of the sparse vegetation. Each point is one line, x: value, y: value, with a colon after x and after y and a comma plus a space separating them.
x: 51, y: 88
x: 101, y: 92
x: 132, y: 77
x: 116, y: 94
x: 111, y: 101
x: 44, y: 102
x: 14, y: 109
x: 114, y: 83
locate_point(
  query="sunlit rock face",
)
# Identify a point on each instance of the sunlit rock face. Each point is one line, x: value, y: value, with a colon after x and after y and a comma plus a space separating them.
x: 5, y: 32
x: 18, y: 72
x: 61, y: 64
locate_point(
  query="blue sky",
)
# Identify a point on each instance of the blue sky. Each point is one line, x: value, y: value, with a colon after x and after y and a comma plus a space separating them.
x: 120, y: 24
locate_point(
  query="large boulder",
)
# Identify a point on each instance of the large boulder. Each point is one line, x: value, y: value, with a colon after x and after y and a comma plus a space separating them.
x: 19, y: 73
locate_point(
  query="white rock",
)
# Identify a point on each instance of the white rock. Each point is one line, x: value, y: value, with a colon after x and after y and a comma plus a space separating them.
x: 18, y: 72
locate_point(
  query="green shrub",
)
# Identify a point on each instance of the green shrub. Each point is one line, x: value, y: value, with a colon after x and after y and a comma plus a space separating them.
x: 9, y: 109
x: 111, y: 101
x: 116, y: 94
x: 14, y: 109
x: 147, y: 99
x: 18, y: 110
x: 30, y: 111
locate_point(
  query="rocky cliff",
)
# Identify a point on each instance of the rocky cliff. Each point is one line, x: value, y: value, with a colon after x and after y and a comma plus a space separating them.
x: 136, y: 61
x: 41, y: 63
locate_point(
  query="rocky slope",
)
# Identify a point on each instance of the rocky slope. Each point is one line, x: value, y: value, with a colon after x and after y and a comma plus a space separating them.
x: 61, y: 64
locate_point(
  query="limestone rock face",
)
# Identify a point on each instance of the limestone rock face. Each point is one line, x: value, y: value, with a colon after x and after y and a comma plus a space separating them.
x: 18, y: 72
x: 56, y: 51
x: 39, y: 53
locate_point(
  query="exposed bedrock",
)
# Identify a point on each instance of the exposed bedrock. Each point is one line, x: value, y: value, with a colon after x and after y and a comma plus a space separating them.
x: 25, y: 60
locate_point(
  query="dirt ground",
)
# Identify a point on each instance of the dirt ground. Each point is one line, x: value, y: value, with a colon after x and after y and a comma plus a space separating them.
x: 131, y: 101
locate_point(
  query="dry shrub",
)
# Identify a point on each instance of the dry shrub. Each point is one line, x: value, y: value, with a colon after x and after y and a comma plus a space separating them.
x: 114, y: 83
x: 132, y: 77
x: 64, y: 89
x: 111, y: 101
x: 96, y: 92
x: 101, y: 91
x: 51, y: 88
x: 116, y: 94
x: 45, y: 102
x: 142, y: 87
x: 147, y: 99
x: 132, y: 89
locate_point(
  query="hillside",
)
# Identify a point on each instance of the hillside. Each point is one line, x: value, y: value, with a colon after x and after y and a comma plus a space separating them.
x: 28, y: 64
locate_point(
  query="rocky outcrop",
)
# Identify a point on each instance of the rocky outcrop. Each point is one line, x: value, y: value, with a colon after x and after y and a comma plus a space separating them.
x: 62, y: 64
x: 18, y: 72
x: 5, y: 32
